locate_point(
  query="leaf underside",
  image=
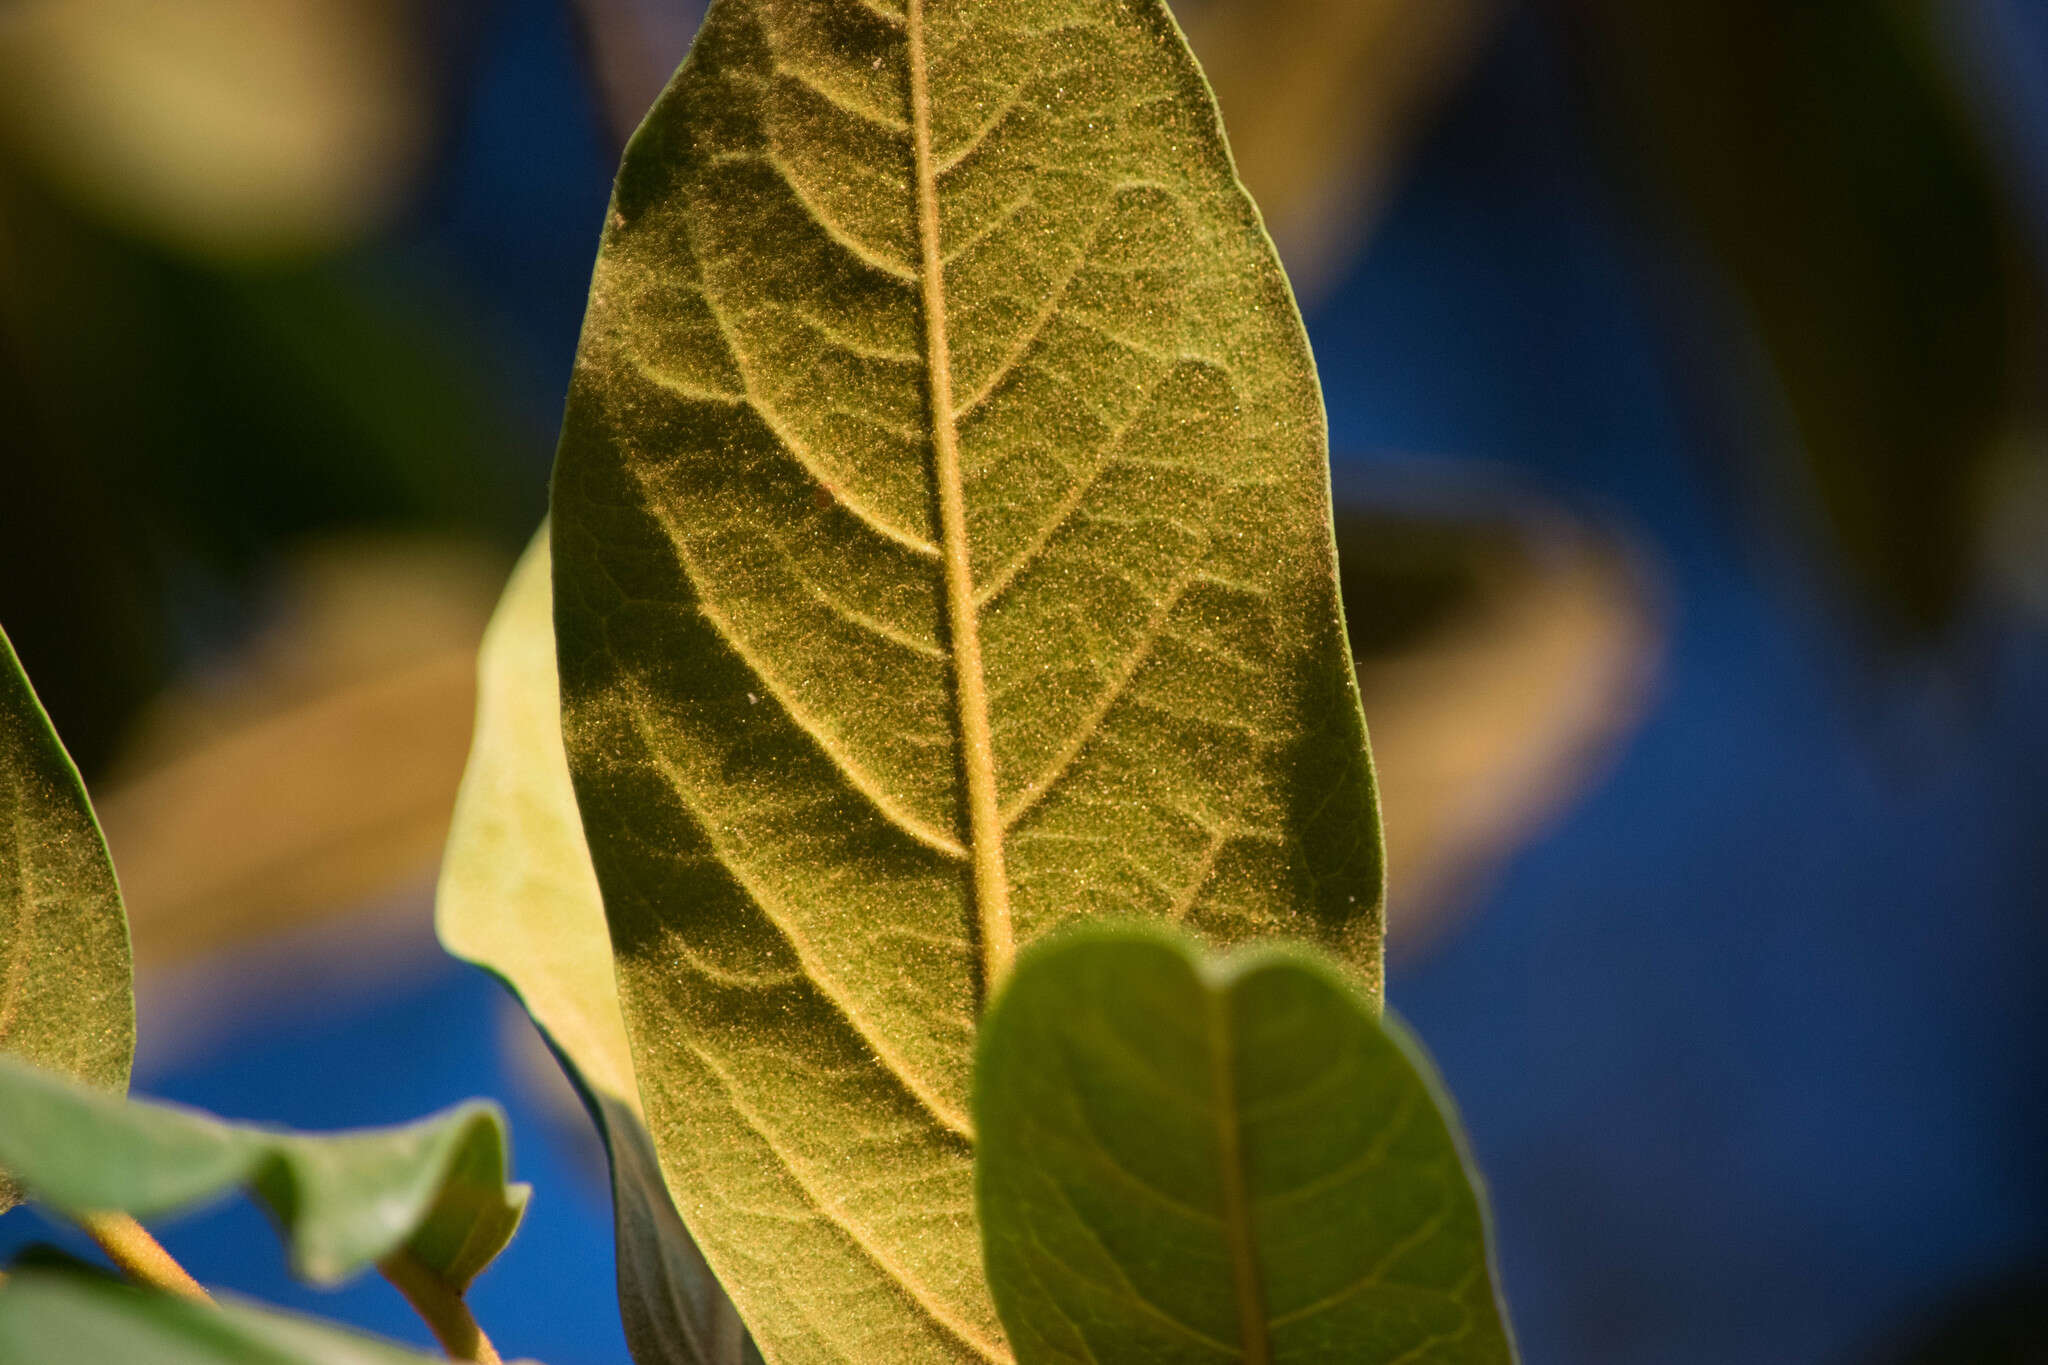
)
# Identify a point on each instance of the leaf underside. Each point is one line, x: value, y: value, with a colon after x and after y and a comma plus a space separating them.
x: 66, y: 999
x: 518, y: 896
x: 1187, y: 1161
x: 942, y: 553
x: 343, y: 1201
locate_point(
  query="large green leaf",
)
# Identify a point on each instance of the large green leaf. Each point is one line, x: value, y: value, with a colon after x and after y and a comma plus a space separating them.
x: 942, y: 552
x: 518, y: 897
x: 63, y: 1319
x: 66, y: 1000
x: 1195, y: 1159
x: 435, y: 1189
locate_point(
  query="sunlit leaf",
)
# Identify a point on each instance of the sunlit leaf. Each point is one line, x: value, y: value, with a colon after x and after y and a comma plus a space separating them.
x: 942, y: 553
x: 64, y: 1319
x: 66, y: 1001
x: 435, y: 1188
x: 1195, y: 1159
x: 518, y: 896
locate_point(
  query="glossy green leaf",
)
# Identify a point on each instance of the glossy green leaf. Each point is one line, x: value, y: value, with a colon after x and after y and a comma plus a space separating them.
x: 64, y: 1319
x: 66, y: 1001
x: 435, y: 1188
x: 942, y: 553
x: 518, y: 897
x: 1195, y: 1159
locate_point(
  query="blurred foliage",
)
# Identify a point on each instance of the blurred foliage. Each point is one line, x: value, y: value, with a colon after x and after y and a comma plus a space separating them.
x: 1321, y: 99
x: 331, y: 740
x: 1827, y: 166
x: 230, y: 128
x: 1826, y: 159
x: 2001, y: 1323
x: 173, y: 422
x: 1505, y: 649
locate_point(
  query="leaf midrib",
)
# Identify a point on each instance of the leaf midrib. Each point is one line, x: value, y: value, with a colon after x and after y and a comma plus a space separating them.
x: 995, y: 937
x: 1237, y: 1218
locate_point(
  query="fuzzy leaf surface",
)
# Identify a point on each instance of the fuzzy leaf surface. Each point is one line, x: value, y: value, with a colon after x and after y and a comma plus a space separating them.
x: 66, y: 997
x: 518, y: 897
x: 1187, y: 1159
x: 942, y: 553
x: 343, y: 1201
x: 61, y: 1319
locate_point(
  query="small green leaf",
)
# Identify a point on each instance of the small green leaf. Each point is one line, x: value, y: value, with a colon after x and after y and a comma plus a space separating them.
x: 343, y: 1200
x: 942, y: 554
x: 65, y: 1319
x: 518, y: 897
x: 66, y: 1000
x: 1194, y: 1159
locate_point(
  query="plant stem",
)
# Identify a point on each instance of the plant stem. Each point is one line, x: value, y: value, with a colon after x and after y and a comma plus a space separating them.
x: 441, y: 1308
x: 129, y: 1246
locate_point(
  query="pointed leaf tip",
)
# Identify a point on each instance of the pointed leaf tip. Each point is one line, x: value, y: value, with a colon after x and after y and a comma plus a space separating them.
x: 66, y: 997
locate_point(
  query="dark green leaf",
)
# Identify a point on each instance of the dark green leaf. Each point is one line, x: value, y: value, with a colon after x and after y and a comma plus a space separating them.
x: 66, y: 1001
x: 1828, y: 158
x: 518, y: 896
x: 57, y: 1319
x: 344, y: 1200
x: 1195, y: 1159
x: 942, y: 553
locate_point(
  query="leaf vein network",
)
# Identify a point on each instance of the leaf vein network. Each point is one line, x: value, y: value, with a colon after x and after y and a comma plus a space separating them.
x: 817, y: 1195
x: 800, y: 947
x: 829, y: 745
x: 793, y: 446
x: 886, y: 122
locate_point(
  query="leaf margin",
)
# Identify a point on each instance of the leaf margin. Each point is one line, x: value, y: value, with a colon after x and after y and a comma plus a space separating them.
x: 99, y: 1042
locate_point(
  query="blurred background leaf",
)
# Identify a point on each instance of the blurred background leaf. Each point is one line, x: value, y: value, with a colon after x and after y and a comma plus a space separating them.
x: 300, y: 131
x: 1505, y: 649
x: 1322, y: 99
x: 330, y: 741
x: 1828, y: 167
